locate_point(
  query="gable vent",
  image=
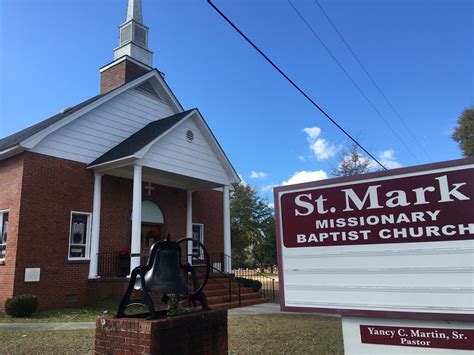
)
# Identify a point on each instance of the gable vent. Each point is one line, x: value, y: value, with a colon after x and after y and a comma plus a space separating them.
x: 148, y: 90
x: 189, y: 136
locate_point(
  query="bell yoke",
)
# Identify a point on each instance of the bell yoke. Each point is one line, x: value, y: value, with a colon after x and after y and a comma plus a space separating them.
x: 166, y: 274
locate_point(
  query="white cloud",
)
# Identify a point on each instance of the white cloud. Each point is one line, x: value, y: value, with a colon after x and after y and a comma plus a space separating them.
x: 387, y: 158
x: 267, y: 188
x: 387, y: 154
x: 306, y: 176
x: 301, y: 158
x: 320, y: 147
x: 258, y: 175
x: 271, y: 205
x: 312, y: 132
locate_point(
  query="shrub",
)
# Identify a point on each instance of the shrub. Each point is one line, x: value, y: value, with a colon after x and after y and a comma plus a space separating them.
x: 253, y: 284
x: 21, y: 306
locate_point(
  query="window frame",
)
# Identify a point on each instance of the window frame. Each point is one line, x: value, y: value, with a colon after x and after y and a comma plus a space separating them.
x: 86, y: 256
x: 2, y: 214
x: 201, y: 239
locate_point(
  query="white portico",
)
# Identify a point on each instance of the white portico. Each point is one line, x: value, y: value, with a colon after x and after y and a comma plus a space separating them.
x: 174, y: 148
x: 178, y: 151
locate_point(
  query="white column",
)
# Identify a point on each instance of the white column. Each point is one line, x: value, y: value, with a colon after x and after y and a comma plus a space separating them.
x: 136, y: 215
x: 227, y: 237
x: 95, y: 235
x: 189, y: 223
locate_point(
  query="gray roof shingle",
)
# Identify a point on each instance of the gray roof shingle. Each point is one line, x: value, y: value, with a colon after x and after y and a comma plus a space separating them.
x: 20, y: 136
x: 140, y: 138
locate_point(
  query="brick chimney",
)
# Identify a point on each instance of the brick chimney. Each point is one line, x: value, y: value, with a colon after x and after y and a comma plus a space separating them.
x: 132, y: 57
x: 120, y: 72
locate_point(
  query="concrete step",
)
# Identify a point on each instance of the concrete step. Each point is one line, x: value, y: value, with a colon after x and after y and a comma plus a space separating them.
x: 225, y: 286
x: 220, y: 292
x: 225, y: 292
x: 235, y: 304
x: 224, y: 299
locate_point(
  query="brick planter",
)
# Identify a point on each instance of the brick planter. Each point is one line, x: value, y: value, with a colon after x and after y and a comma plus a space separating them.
x: 195, y: 333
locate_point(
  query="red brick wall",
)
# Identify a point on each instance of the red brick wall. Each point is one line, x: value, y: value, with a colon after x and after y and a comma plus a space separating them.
x: 208, y: 210
x: 52, y: 188
x: 192, y: 334
x: 119, y: 74
x: 116, y: 213
x: 11, y: 171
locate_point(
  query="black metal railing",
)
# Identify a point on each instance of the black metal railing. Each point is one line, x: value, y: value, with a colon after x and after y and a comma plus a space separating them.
x: 226, y: 265
x: 268, y: 283
x: 227, y: 284
x: 116, y: 264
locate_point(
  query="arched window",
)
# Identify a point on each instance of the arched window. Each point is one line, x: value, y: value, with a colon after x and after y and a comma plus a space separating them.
x: 151, y: 213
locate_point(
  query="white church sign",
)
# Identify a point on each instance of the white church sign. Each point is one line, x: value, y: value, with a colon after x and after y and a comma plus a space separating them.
x: 395, y: 244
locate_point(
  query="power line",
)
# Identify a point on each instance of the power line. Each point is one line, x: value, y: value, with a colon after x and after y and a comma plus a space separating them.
x: 351, y: 79
x: 372, y: 79
x: 293, y: 83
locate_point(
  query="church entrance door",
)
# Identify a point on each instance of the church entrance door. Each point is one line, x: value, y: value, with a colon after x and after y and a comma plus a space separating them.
x: 152, y: 226
x: 151, y: 233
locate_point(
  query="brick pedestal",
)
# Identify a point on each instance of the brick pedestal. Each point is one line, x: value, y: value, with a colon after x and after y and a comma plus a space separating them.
x: 194, y: 333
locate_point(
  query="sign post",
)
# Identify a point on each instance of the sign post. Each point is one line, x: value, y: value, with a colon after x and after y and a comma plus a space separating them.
x: 391, y: 252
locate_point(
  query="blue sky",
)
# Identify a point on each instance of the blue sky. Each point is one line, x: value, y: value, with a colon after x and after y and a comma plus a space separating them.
x: 420, y: 52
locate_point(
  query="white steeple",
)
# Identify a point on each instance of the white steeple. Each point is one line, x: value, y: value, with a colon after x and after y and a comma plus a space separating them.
x: 134, y: 36
x: 134, y: 11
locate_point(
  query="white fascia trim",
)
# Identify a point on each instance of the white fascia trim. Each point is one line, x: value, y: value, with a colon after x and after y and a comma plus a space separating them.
x: 160, y: 77
x: 36, y: 138
x: 221, y: 189
x: 141, y: 153
x: 121, y: 59
x: 170, y: 94
x: 9, y: 152
x: 218, y: 150
x: 117, y: 163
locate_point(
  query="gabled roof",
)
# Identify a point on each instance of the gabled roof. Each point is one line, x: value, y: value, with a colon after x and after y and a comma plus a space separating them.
x: 141, y: 138
x: 132, y: 148
x: 16, y: 140
x: 20, y: 136
x: 135, y: 147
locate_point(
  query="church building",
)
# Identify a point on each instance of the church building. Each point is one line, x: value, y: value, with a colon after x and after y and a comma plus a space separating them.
x: 82, y: 189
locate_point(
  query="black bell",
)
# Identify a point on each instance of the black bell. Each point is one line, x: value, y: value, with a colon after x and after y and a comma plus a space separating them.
x: 163, y: 274
x: 164, y: 277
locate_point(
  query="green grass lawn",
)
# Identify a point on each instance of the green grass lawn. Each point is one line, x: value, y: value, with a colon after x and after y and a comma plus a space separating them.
x: 262, y: 334
x: 285, y: 334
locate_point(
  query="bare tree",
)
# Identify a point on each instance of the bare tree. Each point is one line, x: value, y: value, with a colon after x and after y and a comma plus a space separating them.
x: 352, y: 162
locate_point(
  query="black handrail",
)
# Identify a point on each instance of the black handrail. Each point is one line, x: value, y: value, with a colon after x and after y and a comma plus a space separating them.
x: 229, y: 286
x: 111, y: 265
x: 117, y: 264
x: 268, y: 283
